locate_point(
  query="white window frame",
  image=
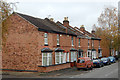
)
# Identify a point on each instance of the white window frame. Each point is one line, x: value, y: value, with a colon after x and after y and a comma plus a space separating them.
x: 60, y: 55
x: 81, y: 54
x: 48, y: 58
x: 92, y: 43
x: 58, y: 39
x: 90, y: 54
x: 72, y: 41
x: 64, y: 57
x: 68, y: 57
x: 46, y: 38
x: 73, y: 56
x: 79, y: 42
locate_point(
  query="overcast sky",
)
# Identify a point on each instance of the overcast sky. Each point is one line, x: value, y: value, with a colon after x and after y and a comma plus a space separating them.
x: 79, y: 12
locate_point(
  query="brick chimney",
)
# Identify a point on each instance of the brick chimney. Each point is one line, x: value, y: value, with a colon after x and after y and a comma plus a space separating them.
x: 51, y: 19
x: 82, y: 28
x: 93, y: 32
x: 66, y: 22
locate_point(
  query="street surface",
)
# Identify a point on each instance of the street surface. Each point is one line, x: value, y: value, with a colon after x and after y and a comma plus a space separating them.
x: 108, y: 71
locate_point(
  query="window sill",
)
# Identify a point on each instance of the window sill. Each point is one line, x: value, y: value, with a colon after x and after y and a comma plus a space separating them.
x: 54, y: 65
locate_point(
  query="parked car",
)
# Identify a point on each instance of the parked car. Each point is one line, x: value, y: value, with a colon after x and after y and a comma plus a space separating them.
x: 84, y: 63
x: 98, y: 63
x: 106, y: 60
x: 112, y: 59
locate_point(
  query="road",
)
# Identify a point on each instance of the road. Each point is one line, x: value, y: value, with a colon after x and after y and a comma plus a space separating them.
x: 109, y: 71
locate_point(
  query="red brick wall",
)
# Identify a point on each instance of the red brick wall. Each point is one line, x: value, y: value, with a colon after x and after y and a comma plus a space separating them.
x: 84, y: 46
x: 24, y: 43
x: 52, y: 68
x: 22, y: 46
x: 96, y: 46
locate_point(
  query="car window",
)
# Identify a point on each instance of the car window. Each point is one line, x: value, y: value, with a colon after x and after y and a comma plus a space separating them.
x: 95, y: 60
x: 103, y: 59
x: 81, y: 60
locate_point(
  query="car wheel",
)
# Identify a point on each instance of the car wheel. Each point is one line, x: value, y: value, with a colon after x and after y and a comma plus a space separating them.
x: 91, y: 67
x: 87, y: 68
x: 99, y: 65
x: 78, y: 68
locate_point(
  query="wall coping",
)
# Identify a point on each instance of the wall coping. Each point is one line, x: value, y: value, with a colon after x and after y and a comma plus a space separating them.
x: 54, y: 65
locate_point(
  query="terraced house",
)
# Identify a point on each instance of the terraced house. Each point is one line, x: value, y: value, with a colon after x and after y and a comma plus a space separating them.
x: 41, y: 45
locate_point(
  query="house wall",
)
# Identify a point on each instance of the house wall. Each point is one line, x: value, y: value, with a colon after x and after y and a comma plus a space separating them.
x: 84, y: 46
x: 21, y: 50
x: 24, y: 42
x: 96, y: 46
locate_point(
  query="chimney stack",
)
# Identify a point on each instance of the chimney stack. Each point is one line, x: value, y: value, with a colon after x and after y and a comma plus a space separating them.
x: 82, y: 28
x: 93, y: 32
x: 51, y: 19
x: 66, y: 22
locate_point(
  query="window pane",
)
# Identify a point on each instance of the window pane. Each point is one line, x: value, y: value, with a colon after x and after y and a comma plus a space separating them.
x: 44, y: 61
x: 72, y: 41
x: 46, y: 40
x: 45, y: 35
x: 50, y: 59
x: 57, y: 39
x: 57, y: 57
x: 67, y: 57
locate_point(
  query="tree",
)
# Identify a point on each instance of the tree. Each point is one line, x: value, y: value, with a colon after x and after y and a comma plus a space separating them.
x: 6, y: 9
x: 108, y: 28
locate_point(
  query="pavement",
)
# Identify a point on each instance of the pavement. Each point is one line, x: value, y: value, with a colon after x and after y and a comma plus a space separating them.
x: 109, y: 71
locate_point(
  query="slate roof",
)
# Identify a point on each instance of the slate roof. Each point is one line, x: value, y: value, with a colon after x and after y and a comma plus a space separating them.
x: 45, y: 24
x: 58, y: 50
x: 46, y: 50
x: 69, y: 31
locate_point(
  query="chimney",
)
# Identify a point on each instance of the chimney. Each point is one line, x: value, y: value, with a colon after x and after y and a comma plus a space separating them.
x: 66, y: 22
x: 51, y: 19
x: 93, y: 32
x: 82, y: 28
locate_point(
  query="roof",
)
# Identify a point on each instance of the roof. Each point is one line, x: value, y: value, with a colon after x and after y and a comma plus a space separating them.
x: 64, y: 28
x: 44, y: 24
x: 58, y: 50
x: 46, y: 50
x: 88, y: 34
x: 72, y: 49
x: 80, y: 50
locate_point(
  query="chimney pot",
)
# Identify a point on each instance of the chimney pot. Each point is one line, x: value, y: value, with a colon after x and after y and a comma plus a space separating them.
x: 82, y: 28
x: 66, y: 22
x: 65, y: 18
x: 51, y: 19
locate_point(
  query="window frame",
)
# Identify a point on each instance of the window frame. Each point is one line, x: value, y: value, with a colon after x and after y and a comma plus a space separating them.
x: 58, y: 39
x: 61, y: 57
x: 92, y: 43
x: 68, y: 59
x: 79, y: 42
x: 72, y: 41
x: 45, y: 38
x: 48, y: 57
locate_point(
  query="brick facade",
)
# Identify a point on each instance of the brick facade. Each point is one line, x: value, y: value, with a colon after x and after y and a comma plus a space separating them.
x: 22, y: 50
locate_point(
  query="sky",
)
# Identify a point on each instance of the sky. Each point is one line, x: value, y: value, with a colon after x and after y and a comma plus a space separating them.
x: 79, y: 12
